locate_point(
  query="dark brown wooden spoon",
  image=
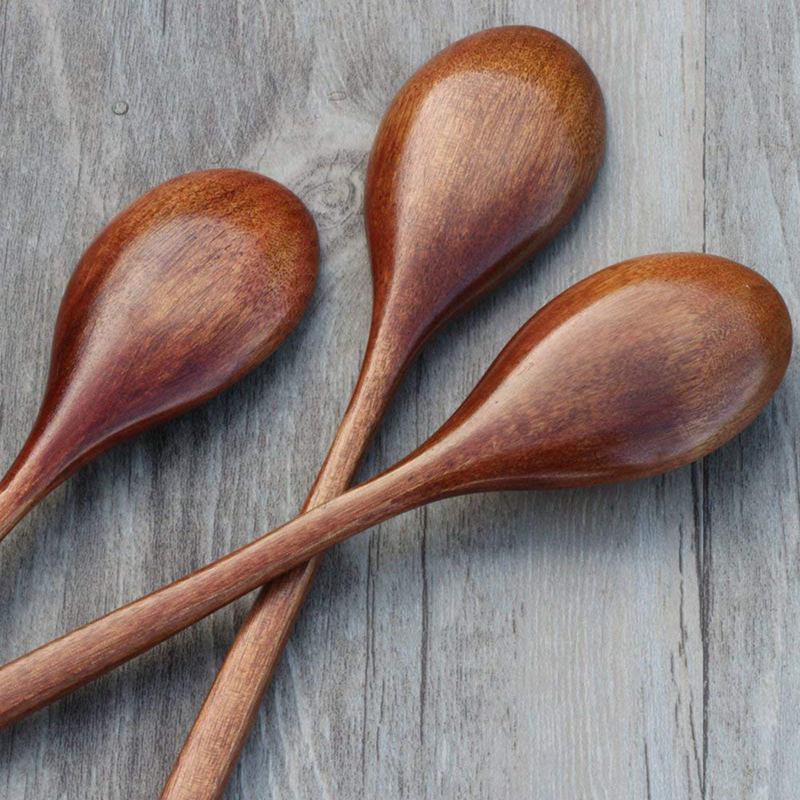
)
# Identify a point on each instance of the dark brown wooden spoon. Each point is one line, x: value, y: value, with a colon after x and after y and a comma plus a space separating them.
x: 481, y: 158
x: 184, y: 292
x: 638, y: 369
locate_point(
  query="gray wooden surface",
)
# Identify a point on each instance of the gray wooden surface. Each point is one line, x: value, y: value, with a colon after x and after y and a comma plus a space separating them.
x: 633, y: 642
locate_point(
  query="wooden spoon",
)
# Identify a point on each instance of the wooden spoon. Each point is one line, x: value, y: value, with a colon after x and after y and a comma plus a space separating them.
x: 638, y: 369
x: 184, y: 292
x: 482, y: 157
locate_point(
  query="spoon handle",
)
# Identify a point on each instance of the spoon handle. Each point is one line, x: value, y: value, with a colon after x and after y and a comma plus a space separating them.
x: 55, y: 669
x: 13, y: 506
x: 223, y: 724
x: 33, y: 475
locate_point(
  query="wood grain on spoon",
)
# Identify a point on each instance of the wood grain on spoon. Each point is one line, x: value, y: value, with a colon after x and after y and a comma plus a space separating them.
x: 638, y: 369
x: 482, y: 157
x: 184, y: 292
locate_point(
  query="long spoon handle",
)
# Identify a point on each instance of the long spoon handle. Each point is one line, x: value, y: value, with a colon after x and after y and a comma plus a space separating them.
x: 215, y: 741
x: 53, y: 670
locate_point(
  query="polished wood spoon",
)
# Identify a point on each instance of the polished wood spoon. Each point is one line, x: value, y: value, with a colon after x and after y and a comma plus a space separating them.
x: 638, y: 369
x: 184, y: 292
x: 482, y: 157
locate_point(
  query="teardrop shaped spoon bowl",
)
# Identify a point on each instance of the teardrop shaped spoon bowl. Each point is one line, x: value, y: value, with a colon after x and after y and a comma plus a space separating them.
x: 183, y: 293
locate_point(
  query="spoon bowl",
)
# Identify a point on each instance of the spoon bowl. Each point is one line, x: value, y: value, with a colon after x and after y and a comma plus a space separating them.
x: 184, y: 292
x: 640, y: 368
x: 483, y: 156
x: 636, y: 370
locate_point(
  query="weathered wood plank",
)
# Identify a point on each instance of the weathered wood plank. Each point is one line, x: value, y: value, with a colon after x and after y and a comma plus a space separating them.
x: 506, y: 646
x: 752, y: 520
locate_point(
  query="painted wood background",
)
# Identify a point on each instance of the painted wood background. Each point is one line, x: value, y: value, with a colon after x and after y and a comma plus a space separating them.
x: 632, y: 642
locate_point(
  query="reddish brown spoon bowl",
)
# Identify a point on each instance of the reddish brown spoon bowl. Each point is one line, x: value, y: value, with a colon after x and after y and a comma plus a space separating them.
x: 483, y: 156
x: 184, y: 292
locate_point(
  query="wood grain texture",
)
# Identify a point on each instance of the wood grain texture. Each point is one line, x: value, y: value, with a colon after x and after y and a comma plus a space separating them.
x: 751, y: 513
x: 432, y: 664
